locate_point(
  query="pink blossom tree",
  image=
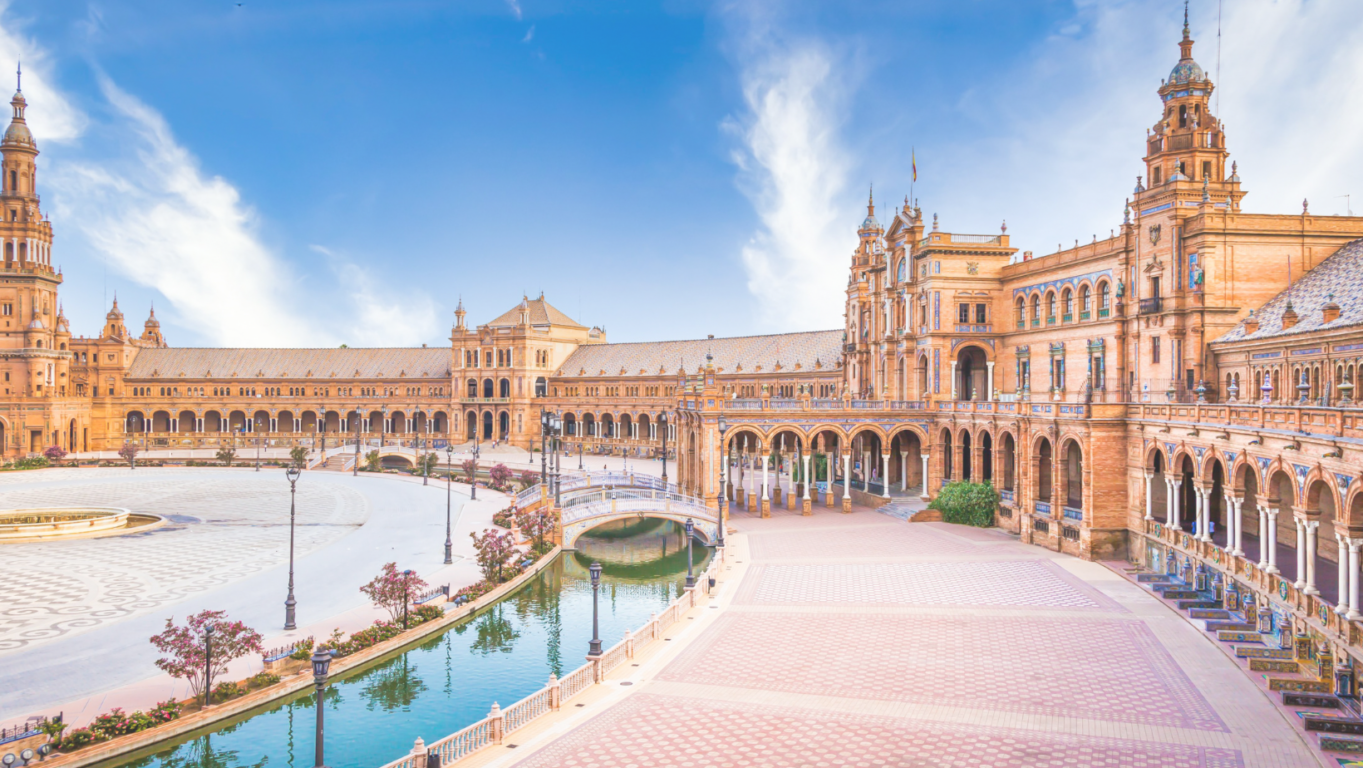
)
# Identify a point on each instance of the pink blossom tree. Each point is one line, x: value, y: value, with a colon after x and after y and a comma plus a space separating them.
x: 55, y: 453
x: 393, y: 590
x: 494, y: 548
x: 500, y: 475
x: 186, y: 652
x: 129, y: 454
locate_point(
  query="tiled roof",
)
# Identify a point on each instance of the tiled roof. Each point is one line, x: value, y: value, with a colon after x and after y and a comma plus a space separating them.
x: 1340, y: 275
x: 380, y: 363
x: 741, y: 354
x: 541, y: 313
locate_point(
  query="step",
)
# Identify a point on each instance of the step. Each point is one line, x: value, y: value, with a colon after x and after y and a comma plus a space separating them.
x: 1329, y: 722
x: 1300, y: 685
x: 1231, y: 636
x: 1187, y: 605
x: 1229, y: 626
x: 1152, y: 578
x: 1341, y: 744
x: 1318, y: 701
x: 1183, y: 593
x: 1210, y: 613
x: 1274, y: 665
x: 1253, y: 652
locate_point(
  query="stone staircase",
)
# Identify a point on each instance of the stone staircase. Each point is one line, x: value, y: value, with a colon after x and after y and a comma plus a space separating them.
x: 1303, y: 677
x: 909, y: 508
x: 342, y: 462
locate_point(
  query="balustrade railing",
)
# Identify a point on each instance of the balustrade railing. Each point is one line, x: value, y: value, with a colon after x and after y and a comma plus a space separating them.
x: 494, y: 728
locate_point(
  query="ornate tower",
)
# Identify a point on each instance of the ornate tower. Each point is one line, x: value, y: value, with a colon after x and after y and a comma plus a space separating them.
x: 1188, y: 143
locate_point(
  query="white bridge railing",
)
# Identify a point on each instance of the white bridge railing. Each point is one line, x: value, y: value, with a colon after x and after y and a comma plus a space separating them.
x: 578, y: 482
x: 607, y: 502
x: 494, y: 728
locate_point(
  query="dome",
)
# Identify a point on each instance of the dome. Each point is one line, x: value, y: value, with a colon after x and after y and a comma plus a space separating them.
x: 18, y: 132
x: 1186, y: 71
x: 870, y: 223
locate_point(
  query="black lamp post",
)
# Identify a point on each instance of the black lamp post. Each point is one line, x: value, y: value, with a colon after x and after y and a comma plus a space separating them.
x: 690, y: 531
x: 558, y: 460
x: 449, y: 483
x: 406, y: 594
x: 723, y: 477
x: 595, y: 648
x: 662, y: 419
x: 544, y: 444
x: 257, y: 451
x: 425, y: 465
x: 292, y: 473
x: 355, y: 469
x: 321, y: 664
x: 579, y: 454
x: 473, y: 481
x: 208, y: 664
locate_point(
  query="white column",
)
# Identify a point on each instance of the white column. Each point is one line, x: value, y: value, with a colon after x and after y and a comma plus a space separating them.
x: 885, y: 474
x: 1175, y: 498
x: 953, y: 380
x: 808, y: 480
x: 989, y: 395
x: 1232, y: 503
x: 1271, y: 539
x: 1301, y: 553
x: 847, y: 475
x: 903, y: 471
x: 763, y: 459
x: 1353, y: 615
x: 1263, y: 535
x: 1342, y: 601
x: 1312, y: 526
x: 1149, y: 498
x: 1198, y: 507
x: 925, y: 475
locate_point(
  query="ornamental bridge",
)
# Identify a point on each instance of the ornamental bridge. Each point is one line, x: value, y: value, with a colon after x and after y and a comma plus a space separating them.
x: 588, y: 501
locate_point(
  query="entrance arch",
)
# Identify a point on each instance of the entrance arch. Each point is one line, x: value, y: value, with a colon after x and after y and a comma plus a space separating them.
x: 971, y: 380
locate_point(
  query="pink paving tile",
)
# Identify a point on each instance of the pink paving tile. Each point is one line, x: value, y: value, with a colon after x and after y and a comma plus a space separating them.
x: 652, y: 730
x: 893, y: 539
x: 1005, y: 583
x: 1098, y: 669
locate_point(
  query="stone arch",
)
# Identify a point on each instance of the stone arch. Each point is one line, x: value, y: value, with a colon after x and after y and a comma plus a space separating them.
x: 284, y: 421
x: 503, y: 424
x: 589, y: 428
x: 236, y: 421
x: 440, y: 423
x: 397, y: 422
x: 488, y: 388
x: 945, y: 448
x: 504, y: 387
x: 970, y: 375
x: 331, y: 422
x: 965, y: 442
x: 213, y: 421
x: 607, y: 425
x: 309, y: 422
x: 472, y: 387
x: 1353, y: 507
x: 471, y: 425
x: 160, y: 421
x: 1155, y: 459
x: 1007, y: 461
x: 626, y: 426
x: 1072, y: 474
x: 186, y: 421
x: 1043, y: 455
x: 135, y: 421
x: 487, y: 419
x: 907, y: 447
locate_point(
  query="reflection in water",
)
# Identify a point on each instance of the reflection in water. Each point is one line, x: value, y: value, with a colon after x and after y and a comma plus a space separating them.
x: 451, y: 680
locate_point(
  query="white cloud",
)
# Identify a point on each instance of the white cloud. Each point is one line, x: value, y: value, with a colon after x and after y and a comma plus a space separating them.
x: 381, y: 317
x: 160, y: 220
x: 58, y: 120
x: 515, y: 7
x: 529, y: 34
x: 793, y: 168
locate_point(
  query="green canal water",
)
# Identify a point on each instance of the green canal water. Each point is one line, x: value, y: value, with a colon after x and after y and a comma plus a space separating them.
x: 451, y: 680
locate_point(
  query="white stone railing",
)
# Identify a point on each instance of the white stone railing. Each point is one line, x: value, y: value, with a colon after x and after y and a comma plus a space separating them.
x: 492, y: 729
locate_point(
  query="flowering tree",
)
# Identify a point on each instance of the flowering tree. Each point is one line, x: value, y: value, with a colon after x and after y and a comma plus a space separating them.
x: 392, y: 590
x: 500, y: 475
x: 55, y: 453
x: 185, y: 651
x: 493, y: 548
x: 469, y: 467
x: 535, y: 524
x: 528, y: 479
x: 129, y: 454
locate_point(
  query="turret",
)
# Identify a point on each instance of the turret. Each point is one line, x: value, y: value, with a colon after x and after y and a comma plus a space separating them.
x: 151, y: 331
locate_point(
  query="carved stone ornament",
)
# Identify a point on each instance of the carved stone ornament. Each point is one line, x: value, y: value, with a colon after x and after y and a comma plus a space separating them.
x: 1155, y: 233
x: 972, y: 267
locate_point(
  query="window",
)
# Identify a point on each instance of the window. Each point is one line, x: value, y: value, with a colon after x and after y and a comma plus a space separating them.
x: 1183, y: 115
x: 7, y: 309
x: 1050, y: 307
x: 1068, y: 303
x: 963, y: 313
x: 1154, y: 176
x: 1036, y: 310
x: 1154, y: 350
x: 1085, y: 300
x: 1104, y: 296
x: 1154, y: 287
x: 1021, y: 312
x: 1207, y: 169
x: 981, y: 315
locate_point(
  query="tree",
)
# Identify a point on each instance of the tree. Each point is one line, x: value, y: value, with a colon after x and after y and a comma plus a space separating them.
x: 226, y: 455
x: 426, y: 464
x: 967, y: 503
x: 528, y: 479
x: 55, y: 453
x: 536, y: 524
x: 299, y: 457
x: 499, y: 475
x: 129, y: 454
x: 469, y: 467
x: 371, y: 462
x: 185, y: 652
x: 494, y: 547
x: 392, y: 590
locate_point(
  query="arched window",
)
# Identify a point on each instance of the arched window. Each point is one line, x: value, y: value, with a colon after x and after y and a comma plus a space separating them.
x: 1067, y: 302
x: 504, y: 388
x: 1104, y: 299
x: 1050, y: 307
x: 1085, y: 302
x: 903, y: 270
x: 1036, y: 309
x: 473, y: 387
x: 1022, y: 312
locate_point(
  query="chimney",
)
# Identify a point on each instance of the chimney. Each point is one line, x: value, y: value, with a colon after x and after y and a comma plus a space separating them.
x: 1289, y: 317
x: 1331, y: 309
x: 1251, y: 323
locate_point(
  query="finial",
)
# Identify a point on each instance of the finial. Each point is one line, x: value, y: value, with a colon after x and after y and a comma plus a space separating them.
x: 1004, y: 227
x: 1126, y: 212
x: 1206, y: 194
x: 934, y: 221
x: 19, y: 77
x: 871, y: 199
x: 1304, y: 209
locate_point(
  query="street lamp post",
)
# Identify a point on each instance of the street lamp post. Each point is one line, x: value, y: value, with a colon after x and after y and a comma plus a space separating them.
x: 723, y: 471
x: 257, y: 451
x: 406, y: 594
x: 355, y: 470
x: 579, y: 454
x: 690, y: 532
x: 594, y: 649
x: 473, y: 481
x: 321, y: 664
x: 425, y: 465
x: 662, y: 419
x: 292, y: 473
x: 558, y: 460
x: 449, y: 483
x: 208, y: 663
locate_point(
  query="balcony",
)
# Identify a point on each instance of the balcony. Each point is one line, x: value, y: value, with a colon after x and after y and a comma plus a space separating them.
x: 1084, y: 315
x: 1067, y: 318
x: 1150, y: 306
x: 1104, y: 313
x: 1050, y: 320
x: 1036, y: 322
x: 1022, y: 324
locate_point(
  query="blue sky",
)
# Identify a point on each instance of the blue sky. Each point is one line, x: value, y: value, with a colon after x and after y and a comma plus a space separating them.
x: 292, y: 172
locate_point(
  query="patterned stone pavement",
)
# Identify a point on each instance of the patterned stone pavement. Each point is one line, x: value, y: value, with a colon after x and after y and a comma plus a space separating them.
x: 853, y: 640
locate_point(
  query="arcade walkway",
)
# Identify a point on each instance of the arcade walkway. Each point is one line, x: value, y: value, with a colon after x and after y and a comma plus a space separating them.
x: 863, y: 640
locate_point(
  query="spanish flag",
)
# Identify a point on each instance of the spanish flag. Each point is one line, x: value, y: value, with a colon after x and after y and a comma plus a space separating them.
x: 914, y: 159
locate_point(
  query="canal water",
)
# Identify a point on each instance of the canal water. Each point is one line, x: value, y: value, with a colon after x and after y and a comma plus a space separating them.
x: 451, y: 680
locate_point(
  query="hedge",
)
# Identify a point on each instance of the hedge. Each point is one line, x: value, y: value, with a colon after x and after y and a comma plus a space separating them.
x: 966, y: 503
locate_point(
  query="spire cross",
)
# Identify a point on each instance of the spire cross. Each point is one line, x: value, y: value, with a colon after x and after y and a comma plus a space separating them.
x: 19, y: 77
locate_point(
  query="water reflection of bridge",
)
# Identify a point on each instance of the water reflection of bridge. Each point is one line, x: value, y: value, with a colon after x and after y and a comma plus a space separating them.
x: 607, y: 498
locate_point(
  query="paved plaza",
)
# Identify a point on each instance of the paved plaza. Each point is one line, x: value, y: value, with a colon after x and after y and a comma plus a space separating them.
x: 862, y: 640
x: 75, y: 615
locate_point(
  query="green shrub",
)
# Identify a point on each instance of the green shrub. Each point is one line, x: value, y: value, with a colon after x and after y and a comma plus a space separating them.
x: 304, y: 650
x: 80, y: 737
x: 425, y: 613
x: 967, y: 504
x: 262, y: 680
x: 112, y: 724
x: 226, y: 690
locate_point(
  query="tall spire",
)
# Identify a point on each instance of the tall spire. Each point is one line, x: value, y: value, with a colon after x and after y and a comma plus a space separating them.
x: 871, y: 201
x: 1185, y: 45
